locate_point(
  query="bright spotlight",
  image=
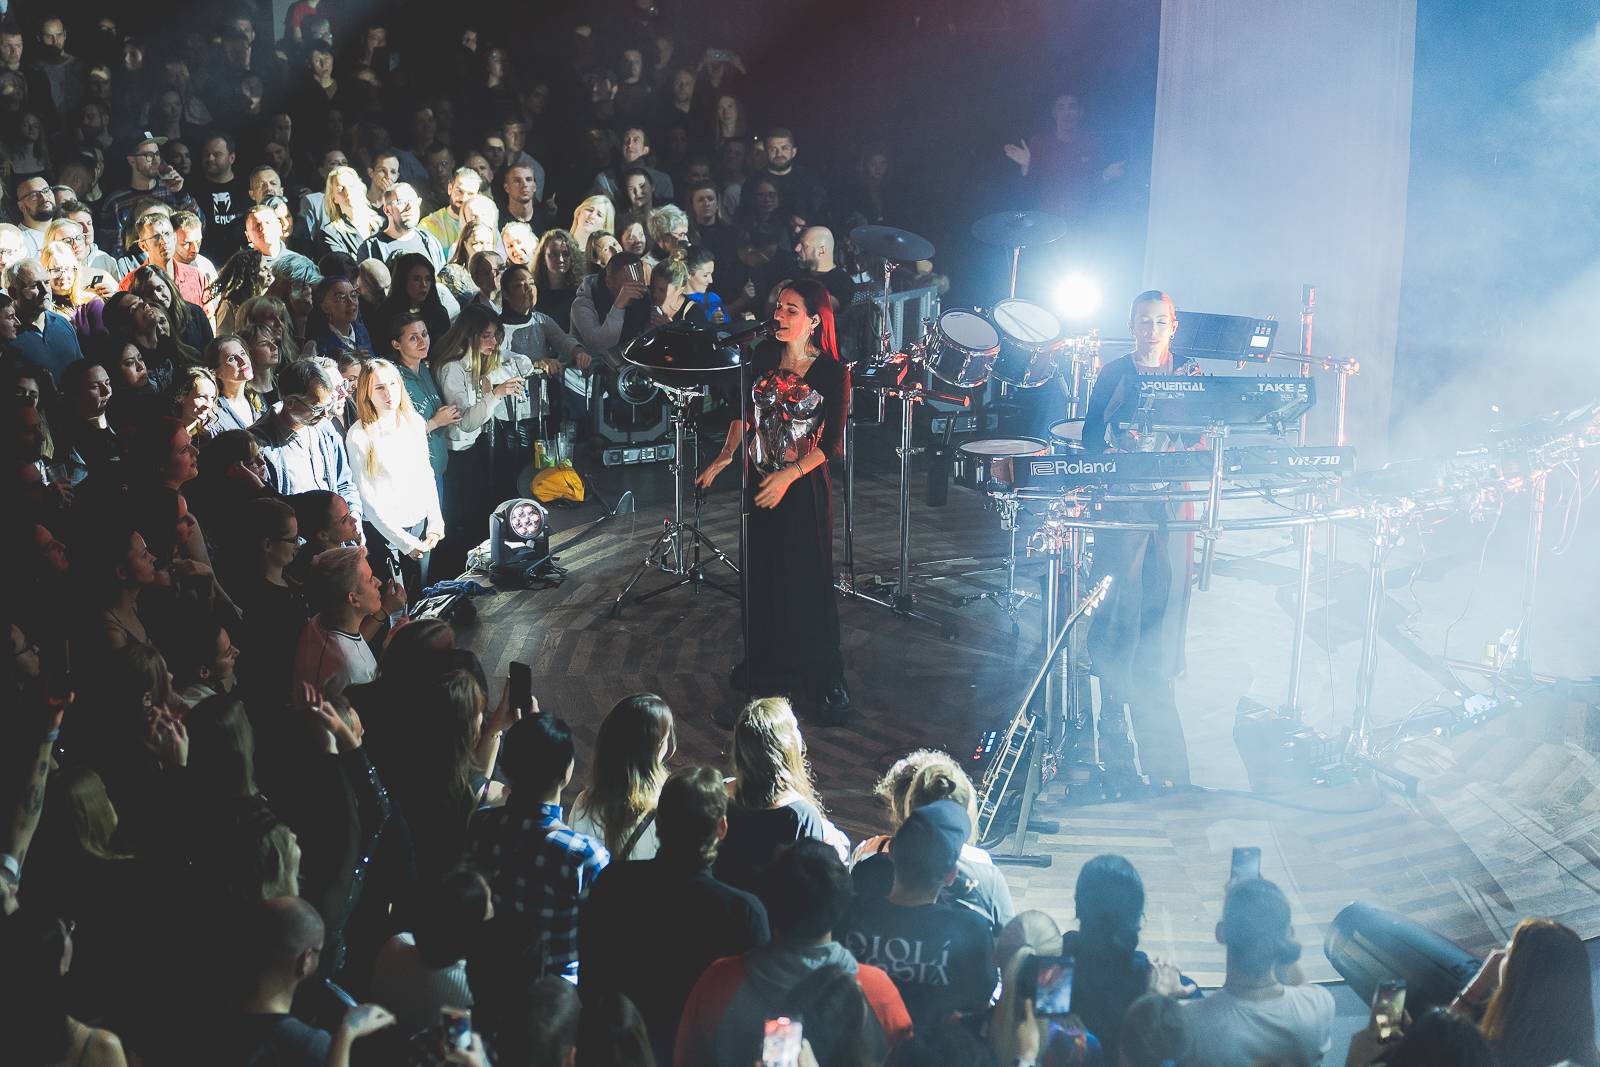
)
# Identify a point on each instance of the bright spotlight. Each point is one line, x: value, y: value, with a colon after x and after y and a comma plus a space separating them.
x: 1077, y: 296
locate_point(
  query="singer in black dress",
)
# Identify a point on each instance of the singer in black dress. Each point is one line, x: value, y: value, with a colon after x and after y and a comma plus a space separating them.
x: 792, y: 420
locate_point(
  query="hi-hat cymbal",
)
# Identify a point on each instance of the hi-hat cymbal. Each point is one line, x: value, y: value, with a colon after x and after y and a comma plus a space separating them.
x: 886, y: 242
x: 1019, y: 229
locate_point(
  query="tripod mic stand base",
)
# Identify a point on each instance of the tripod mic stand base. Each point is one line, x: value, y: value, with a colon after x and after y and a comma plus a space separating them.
x: 886, y: 594
x: 670, y: 557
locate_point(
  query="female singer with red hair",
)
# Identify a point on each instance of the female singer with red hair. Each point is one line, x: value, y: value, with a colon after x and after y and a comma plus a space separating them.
x: 793, y: 417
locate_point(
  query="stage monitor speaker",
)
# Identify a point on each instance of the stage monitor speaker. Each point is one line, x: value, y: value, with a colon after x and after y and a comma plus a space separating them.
x: 1367, y: 944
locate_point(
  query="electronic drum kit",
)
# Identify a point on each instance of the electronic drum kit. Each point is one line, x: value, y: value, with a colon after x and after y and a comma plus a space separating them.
x: 1017, y: 344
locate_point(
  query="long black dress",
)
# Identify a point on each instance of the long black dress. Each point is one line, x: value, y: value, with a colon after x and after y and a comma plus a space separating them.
x: 1136, y: 638
x: 794, y: 620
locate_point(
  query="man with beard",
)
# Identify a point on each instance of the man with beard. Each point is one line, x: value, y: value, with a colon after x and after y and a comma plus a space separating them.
x: 149, y: 178
x: 446, y: 223
x: 158, y: 239
x: 222, y: 198
x: 814, y: 250
x: 635, y: 147
x: 66, y: 74
x: 402, y: 207
x: 799, y: 188
x: 36, y: 206
x: 43, y: 339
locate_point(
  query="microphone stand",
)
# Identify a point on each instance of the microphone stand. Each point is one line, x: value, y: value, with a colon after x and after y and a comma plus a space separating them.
x: 744, y: 523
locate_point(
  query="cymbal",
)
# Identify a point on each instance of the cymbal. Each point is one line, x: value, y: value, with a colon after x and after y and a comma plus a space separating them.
x: 1019, y: 229
x: 886, y: 242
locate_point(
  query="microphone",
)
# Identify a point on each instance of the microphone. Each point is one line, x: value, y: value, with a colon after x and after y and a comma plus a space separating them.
x: 746, y: 335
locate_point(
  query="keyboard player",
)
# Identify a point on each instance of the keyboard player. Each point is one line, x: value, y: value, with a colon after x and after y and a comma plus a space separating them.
x: 1136, y: 639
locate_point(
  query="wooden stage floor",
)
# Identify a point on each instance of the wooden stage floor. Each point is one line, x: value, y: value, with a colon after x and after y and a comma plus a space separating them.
x: 1505, y: 824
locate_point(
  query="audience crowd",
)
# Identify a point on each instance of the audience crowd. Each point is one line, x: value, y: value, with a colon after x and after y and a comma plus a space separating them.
x: 282, y: 322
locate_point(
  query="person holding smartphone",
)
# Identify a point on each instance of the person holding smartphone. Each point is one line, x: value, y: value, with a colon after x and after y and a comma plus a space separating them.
x: 1265, y: 1011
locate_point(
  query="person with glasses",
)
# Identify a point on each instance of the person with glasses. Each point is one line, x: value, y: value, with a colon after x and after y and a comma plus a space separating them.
x: 46, y: 340
x: 67, y: 293
x: 158, y: 239
x: 149, y: 178
x: 302, y: 448
x: 335, y: 322
x: 36, y: 207
x: 97, y: 270
x: 403, y: 209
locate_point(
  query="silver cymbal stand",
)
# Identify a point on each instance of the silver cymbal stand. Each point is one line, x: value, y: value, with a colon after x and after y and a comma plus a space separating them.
x: 896, y: 595
x: 846, y: 581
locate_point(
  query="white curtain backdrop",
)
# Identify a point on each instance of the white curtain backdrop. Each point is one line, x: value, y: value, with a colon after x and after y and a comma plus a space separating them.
x: 1282, y: 143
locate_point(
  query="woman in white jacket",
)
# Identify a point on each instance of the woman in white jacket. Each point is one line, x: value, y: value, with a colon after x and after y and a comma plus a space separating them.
x: 476, y: 375
x: 388, y: 449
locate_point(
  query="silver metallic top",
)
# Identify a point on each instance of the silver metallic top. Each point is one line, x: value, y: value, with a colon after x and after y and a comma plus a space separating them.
x: 788, y: 419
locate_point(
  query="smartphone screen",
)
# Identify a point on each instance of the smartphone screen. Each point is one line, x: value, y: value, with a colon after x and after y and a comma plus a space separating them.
x: 1388, y: 1008
x: 457, y: 1024
x: 521, y: 687
x: 1246, y: 865
x: 1050, y: 978
x: 780, y: 1042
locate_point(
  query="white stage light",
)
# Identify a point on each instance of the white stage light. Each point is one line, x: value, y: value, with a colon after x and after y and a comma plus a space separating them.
x: 1077, y: 296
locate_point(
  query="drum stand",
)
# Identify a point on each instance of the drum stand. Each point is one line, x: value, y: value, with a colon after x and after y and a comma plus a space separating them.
x: 1010, y: 599
x: 677, y: 550
x: 896, y: 595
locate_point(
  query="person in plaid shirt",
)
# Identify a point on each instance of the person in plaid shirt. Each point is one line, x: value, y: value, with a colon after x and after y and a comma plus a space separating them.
x: 539, y: 868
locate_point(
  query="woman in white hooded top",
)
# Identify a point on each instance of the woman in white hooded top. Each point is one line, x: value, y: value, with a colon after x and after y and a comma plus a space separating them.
x: 388, y: 449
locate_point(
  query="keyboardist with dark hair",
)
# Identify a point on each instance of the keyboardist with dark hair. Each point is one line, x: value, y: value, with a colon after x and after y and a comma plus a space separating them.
x: 1136, y: 638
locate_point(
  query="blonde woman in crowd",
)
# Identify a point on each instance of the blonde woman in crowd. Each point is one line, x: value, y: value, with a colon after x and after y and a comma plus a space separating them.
x: 238, y: 403
x: 774, y: 802
x: 593, y: 215
x: 629, y: 765
x: 274, y: 314
x: 351, y: 220
x: 65, y: 274
x: 388, y: 450
x: 919, y: 778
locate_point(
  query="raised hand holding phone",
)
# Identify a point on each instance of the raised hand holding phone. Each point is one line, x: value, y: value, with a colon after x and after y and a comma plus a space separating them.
x: 1388, y: 1008
x: 781, y: 1042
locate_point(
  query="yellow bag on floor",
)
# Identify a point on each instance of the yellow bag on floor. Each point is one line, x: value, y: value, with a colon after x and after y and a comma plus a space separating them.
x: 557, y: 483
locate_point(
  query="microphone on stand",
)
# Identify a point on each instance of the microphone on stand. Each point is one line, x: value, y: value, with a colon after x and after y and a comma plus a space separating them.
x: 746, y: 335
